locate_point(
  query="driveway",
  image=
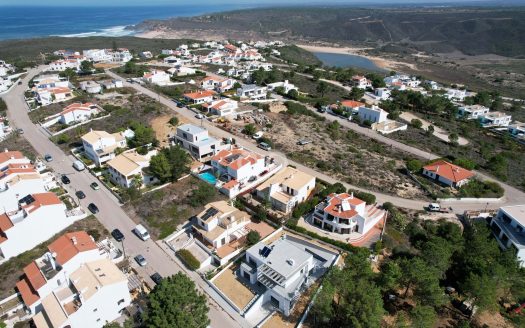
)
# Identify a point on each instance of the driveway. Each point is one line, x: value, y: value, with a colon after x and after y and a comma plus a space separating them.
x: 111, y: 214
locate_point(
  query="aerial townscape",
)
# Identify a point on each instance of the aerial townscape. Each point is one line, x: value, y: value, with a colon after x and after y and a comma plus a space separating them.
x: 286, y: 166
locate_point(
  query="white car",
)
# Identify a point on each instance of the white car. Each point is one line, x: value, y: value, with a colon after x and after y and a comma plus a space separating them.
x: 257, y: 135
x: 199, y: 116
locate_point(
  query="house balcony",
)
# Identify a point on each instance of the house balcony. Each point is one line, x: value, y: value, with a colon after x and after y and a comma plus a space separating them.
x: 507, y: 234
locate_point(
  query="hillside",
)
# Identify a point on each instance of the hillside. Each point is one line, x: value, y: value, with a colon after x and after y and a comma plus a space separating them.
x: 470, y: 30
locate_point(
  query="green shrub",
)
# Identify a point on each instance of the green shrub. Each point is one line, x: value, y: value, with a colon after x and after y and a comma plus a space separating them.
x: 253, y: 237
x: 189, y: 260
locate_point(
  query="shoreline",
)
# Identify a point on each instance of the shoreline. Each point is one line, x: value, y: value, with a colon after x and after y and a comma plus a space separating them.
x: 380, y: 62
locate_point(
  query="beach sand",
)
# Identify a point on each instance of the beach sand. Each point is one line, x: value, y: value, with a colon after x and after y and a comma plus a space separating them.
x: 379, y: 61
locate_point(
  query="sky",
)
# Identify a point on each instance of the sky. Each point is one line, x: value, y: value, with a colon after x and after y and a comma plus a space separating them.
x: 181, y: 2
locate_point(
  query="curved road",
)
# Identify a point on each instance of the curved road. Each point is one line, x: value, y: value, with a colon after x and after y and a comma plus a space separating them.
x: 111, y: 214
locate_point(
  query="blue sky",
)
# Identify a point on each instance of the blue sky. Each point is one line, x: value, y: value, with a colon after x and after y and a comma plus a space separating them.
x: 182, y: 2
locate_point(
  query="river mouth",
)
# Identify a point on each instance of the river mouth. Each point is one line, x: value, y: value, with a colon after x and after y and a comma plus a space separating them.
x: 347, y: 60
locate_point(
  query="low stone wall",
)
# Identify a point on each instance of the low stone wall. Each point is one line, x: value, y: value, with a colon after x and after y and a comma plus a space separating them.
x: 471, y: 200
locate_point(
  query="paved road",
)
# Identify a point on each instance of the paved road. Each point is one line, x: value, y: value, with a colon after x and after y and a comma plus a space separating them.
x: 111, y: 215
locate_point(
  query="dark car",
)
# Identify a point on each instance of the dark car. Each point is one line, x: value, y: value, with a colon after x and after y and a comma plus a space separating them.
x: 48, y: 158
x: 117, y: 234
x: 95, y: 186
x: 80, y: 194
x: 321, y: 110
x: 19, y: 82
x: 156, y: 277
x: 65, y: 179
x: 93, y: 208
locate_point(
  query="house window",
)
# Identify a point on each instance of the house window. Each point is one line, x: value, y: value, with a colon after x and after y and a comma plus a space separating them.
x: 95, y: 310
x: 120, y: 301
x: 98, y: 320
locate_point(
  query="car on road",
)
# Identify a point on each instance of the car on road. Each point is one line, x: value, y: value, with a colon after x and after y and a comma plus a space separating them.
x: 321, y: 110
x: 303, y: 142
x: 65, y: 179
x: 48, y: 158
x: 199, y: 116
x: 264, y: 146
x: 79, y: 166
x: 156, y: 277
x: 141, y: 260
x: 93, y: 208
x: 80, y: 194
x: 117, y: 234
x: 19, y: 82
x: 94, y: 186
x: 20, y: 131
x: 257, y: 135
x: 141, y: 232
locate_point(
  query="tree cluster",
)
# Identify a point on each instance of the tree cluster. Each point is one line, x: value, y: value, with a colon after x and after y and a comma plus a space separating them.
x: 170, y: 164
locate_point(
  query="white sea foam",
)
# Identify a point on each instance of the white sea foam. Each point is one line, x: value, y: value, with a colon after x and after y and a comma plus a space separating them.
x: 111, y: 31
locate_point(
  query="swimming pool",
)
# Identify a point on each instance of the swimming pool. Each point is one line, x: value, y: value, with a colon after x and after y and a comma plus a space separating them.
x: 208, y: 177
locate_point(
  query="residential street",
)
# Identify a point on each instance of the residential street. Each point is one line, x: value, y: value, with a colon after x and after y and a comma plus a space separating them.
x: 110, y: 215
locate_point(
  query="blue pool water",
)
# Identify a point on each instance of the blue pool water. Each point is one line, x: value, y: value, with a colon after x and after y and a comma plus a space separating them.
x: 208, y: 177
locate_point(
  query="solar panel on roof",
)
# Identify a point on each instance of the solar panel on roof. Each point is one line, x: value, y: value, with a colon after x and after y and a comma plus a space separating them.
x: 209, y: 213
x: 26, y: 200
x: 266, y: 251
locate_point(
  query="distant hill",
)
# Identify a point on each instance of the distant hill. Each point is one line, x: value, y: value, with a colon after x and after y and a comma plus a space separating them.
x: 470, y: 30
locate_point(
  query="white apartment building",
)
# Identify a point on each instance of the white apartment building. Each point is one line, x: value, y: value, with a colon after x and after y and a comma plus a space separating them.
x: 373, y: 114
x: 94, y: 295
x: 63, y: 64
x: 157, y: 77
x: 361, y: 82
x: 100, y: 146
x: 287, y: 86
x: 218, y: 84
x: 472, y: 111
x: 197, y: 141
x: 120, y: 55
x: 222, y: 107
x: 286, y: 189
x: 252, y: 91
x: 495, y: 119
x: 346, y: 214
x: 127, y: 168
x: 51, y: 271
x: 219, y: 224
x: 40, y: 216
x: 509, y: 228
x: 97, y: 55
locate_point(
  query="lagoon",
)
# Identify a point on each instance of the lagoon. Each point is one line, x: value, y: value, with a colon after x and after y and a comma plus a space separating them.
x: 347, y: 60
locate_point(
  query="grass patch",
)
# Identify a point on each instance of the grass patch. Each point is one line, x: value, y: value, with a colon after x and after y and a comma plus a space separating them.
x: 188, y: 259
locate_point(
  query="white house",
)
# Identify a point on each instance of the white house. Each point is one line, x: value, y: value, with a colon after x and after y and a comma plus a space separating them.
x: 100, y: 146
x: 93, y: 295
x: 494, y: 119
x: 97, y: 55
x: 216, y: 83
x: 49, y: 272
x: 517, y: 129
x: 472, y: 111
x: 509, y: 228
x: 146, y: 54
x: 78, y: 112
x: 382, y: 93
x: 157, y: 77
x: 361, y: 82
x: 447, y: 173
x: 346, y: 214
x: 373, y: 114
x: 196, y: 140
x: 63, y: 64
x: 456, y: 94
x: 284, y: 269
x: 90, y: 86
x: 219, y: 224
x: 125, y: 168
x: 52, y: 95
x: 286, y: 189
x: 252, y: 91
x: 222, y: 107
x: 352, y: 106
x: 287, y: 86
x: 40, y: 216
x: 120, y: 55
x: 111, y: 84
x: 184, y: 70
x: 166, y: 52
x: 199, y: 97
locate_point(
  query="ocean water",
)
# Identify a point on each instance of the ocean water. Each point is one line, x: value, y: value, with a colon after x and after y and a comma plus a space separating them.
x: 346, y: 60
x: 29, y: 22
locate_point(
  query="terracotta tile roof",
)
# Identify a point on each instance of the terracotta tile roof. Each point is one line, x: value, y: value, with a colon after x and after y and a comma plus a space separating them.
x: 34, y: 276
x: 60, y: 90
x: 235, y: 158
x: 335, y: 206
x: 5, y: 222
x: 230, y: 184
x: 29, y: 296
x: 449, y: 171
x: 42, y: 199
x: 17, y: 168
x: 78, y: 106
x: 65, y: 248
x: 7, y: 155
x: 199, y: 94
x: 352, y: 103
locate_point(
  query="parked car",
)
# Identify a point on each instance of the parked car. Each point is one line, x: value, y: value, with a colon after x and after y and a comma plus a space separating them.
x: 79, y: 166
x: 257, y: 135
x: 93, y: 208
x: 118, y: 235
x: 303, y: 142
x: 95, y: 186
x: 48, y: 158
x: 199, y: 116
x: 435, y: 207
x: 156, y: 277
x: 19, y: 82
x: 264, y: 146
x: 65, y: 179
x: 321, y: 110
x: 141, y: 232
x: 141, y: 260
x: 20, y: 131
x: 80, y: 194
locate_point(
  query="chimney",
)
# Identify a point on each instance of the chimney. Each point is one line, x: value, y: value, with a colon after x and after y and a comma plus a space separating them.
x: 352, y: 195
